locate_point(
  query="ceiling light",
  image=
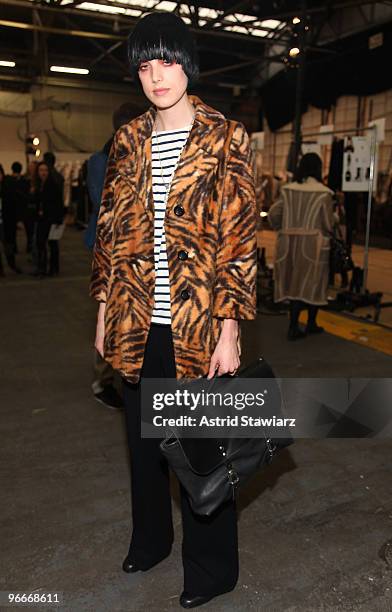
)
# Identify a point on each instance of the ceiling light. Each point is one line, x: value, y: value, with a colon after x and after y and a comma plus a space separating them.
x: 239, y: 29
x: 270, y: 23
x: 261, y: 33
x: 294, y: 51
x: 296, y: 20
x: 69, y: 70
x: 7, y: 64
x: 103, y: 8
x: 240, y: 17
x: 208, y: 13
x: 165, y: 6
x: 36, y: 141
x: 37, y: 153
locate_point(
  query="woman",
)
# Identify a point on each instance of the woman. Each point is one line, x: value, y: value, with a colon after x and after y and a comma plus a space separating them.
x: 175, y: 270
x: 49, y: 211
x: 304, y: 217
x: 2, y: 177
x: 29, y: 212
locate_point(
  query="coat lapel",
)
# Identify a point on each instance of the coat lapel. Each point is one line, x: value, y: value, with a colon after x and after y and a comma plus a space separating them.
x: 201, y: 153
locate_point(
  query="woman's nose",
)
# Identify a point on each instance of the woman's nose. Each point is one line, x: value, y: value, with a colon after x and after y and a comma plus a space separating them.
x: 156, y: 72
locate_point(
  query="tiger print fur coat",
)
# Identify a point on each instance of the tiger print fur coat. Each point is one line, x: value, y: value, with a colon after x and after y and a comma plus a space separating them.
x: 210, y: 213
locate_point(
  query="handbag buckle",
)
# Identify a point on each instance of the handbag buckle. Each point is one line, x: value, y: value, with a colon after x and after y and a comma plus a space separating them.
x: 271, y: 446
x: 232, y: 476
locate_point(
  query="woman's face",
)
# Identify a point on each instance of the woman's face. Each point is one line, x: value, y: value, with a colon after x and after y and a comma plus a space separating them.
x: 43, y: 172
x: 164, y: 83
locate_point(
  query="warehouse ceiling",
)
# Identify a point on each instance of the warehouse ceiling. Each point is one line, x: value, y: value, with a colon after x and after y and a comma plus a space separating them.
x: 241, y: 44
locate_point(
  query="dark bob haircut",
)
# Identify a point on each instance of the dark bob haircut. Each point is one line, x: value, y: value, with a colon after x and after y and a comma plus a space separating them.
x: 310, y: 165
x: 163, y: 36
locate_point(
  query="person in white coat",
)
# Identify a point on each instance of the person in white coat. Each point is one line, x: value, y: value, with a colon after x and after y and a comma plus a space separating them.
x: 303, y: 217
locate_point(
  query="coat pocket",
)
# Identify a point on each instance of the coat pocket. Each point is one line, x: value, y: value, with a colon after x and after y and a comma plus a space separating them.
x: 282, y: 247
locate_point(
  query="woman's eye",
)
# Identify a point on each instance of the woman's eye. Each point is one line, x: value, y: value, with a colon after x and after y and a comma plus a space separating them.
x: 142, y: 66
x: 167, y: 62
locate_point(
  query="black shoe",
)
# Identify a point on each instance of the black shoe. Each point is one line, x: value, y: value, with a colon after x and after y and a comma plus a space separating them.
x: 193, y: 601
x: 295, y: 334
x: 110, y: 398
x: 187, y: 601
x: 314, y: 329
x: 130, y: 567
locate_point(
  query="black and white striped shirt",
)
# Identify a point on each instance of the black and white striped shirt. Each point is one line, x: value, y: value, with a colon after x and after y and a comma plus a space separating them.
x: 170, y: 145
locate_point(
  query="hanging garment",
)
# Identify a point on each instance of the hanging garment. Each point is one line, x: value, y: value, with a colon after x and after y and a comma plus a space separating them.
x: 336, y: 165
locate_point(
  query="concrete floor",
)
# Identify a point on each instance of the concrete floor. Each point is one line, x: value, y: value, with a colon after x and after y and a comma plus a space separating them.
x: 315, y: 529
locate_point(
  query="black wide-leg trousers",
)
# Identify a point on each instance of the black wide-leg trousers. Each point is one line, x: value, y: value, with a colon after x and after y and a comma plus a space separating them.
x: 210, y: 544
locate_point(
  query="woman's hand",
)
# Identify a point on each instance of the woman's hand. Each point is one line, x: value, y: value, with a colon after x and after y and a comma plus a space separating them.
x: 100, y: 331
x: 226, y: 356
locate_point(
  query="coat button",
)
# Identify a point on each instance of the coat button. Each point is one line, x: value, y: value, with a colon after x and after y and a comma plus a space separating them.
x: 185, y: 294
x: 179, y: 210
x: 182, y: 255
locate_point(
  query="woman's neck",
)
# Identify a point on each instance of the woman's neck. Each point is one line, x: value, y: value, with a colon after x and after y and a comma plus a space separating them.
x: 177, y: 116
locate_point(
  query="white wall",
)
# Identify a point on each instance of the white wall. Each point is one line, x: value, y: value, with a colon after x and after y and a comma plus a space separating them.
x: 13, y: 107
x: 81, y: 118
x: 343, y: 116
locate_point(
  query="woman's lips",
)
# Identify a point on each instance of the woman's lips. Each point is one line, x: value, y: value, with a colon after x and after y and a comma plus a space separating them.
x: 160, y: 92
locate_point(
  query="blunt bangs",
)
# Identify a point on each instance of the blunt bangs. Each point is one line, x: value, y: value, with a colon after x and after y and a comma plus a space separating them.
x: 163, y: 36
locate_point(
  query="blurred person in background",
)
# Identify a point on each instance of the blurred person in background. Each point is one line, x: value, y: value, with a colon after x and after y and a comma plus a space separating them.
x: 15, y: 197
x: 57, y: 177
x: 103, y: 383
x: 303, y: 217
x: 30, y: 209
x: 2, y: 177
x: 50, y: 160
x: 49, y: 211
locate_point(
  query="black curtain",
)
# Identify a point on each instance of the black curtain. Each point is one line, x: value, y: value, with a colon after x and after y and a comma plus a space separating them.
x: 351, y: 69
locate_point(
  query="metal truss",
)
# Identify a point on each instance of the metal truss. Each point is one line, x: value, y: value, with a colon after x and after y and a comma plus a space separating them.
x: 253, y: 43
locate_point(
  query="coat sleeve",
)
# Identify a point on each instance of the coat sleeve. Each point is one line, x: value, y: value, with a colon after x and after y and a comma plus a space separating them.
x: 275, y: 215
x: 328, y: 218
x: 101, y: 265
x: 236, y: 264
x: 96, y: 170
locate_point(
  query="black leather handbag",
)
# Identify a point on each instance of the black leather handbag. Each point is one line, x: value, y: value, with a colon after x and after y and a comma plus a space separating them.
x: 210, y: 469
x: 340, y: 259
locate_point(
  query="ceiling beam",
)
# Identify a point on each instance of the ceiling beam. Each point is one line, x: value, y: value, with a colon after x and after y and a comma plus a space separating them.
x: 336, y: 5
x: 207, y: 73
x: 256, y: 40
x: 103, y: 52
x: 51, y: 30
x: 129, y: 21
x: 107, y: 52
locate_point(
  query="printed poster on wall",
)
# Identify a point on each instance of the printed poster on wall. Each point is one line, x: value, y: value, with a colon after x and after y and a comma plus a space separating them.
x: 356, y: 163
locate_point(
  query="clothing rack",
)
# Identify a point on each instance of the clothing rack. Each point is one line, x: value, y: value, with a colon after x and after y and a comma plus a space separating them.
x: 373, y: 131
